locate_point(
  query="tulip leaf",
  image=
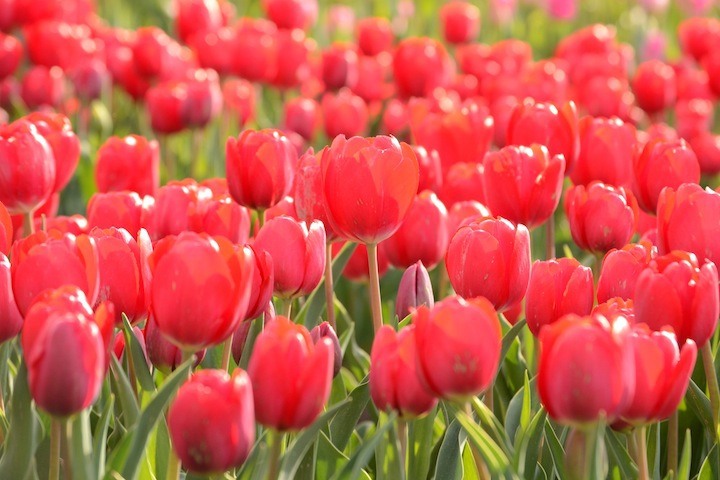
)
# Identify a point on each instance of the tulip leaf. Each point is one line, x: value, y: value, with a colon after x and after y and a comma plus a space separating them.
x: 297, y: 450
x: 420, y: 435
x: 255, y: 463
x: 469, y: 467
x: 311, y: 310
x: 81, y: 447
x: 23, y: 435
x: 342, y: 426
x: 556, y: 450
x: 100, y: 437
x: 494, y: 456
x: 510, y: 336
x: 685, y: 457
x: 528, y: 448
x: 137, y: 357
x: 124, y: 392
x: 490, y: 422
x: 618, y: 452
x: 360, y: 458
x: 710, y: 469
x: 449, y: 456
x: 328, y: 458
x: 700, y: 405
x: 519, y: 409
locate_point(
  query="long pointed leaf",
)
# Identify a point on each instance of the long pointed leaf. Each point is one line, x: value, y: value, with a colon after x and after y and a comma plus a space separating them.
x: 361, y: 457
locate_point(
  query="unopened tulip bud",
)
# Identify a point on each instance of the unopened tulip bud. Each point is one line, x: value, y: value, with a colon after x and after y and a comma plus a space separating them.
x: 415, y: 289
x: 325, y: 330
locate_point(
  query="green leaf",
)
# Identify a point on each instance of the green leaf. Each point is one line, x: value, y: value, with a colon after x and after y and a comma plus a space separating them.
x: 137, y: 357
x: 328, y: 458
x: 556, y: 451
x: 361, y: 457
x: 699, y: 404
x: 510, y: 336
x: 255, y: 328
x: 470, y: 471
x: 495, y: 459
x: 493, y: 426
x: 709, y: 469
x: 297, y: 450
x: 388, y: 464
x: 449, y: 456
x: 100, y: 437
x: 619, y: 454
x: 685, y: 457
x: 528, y: 449
x: 124, y: 392
x: 519, y: 410
x: 420, y: 435
x: 342, y: 426
x: 81, y: 452
x: 311, y: 310
x: 23, y: 438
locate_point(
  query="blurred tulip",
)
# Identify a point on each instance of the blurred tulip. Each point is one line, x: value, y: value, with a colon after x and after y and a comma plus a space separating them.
x: 463, y: 182
x: 697, y: 36
x: 178, y: 207
x: 43, y: 86
x: 561, y: 9
x: 239, y: 97
x: 255, y: 50
x: 707, y: 149
x: 163, y: 355
x: 621, y: 269
x: 420, y: 64
x: 490, y: 257
x: 303, y: 116
x: 462, y: 213
x: 11, y: 52
x: 294, y: 49
x: 118, y: 209
x: 6, y: 230
x: 344, y: 113
x: 374, y: 35
x: 356, y: 269
x: 11, y: 321
x: 414, y: 290
x: 307, y: 192
x: 164, y: 103
x: 203, y: 100
x: 606, y: 147
x: 291, y: 14
x: 693, y: 117
x: 130, y: 163
x: 339, y: 66
x: 64, y: 144
x: 430, y: 169
x: 460, y: 21
x: 654, y: 86
x: 325, y: 330
x: 193, y: 17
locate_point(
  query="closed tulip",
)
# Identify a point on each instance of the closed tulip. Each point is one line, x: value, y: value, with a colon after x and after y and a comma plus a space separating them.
x: 460, y: 21
x: 118, y: 209
x: 419, y: 65
x: 423, y: 235
x: 196, y: 16
x: 298, y: 254
x: 678, y: 291
x: 198, y: 288
x: 204, y: 98
x: 46, y: 261
x: 260, y: 167
x: 129, y: 163
x: 11, y: 51
x: 621, y: 268
x: 11, y: 321
x: 557, y: 288
x: 162, y: 354
x: 291, y: 375
x: 368, y: 186
x: 289, y: 14
x: 339, y: 66
x: 65, y: 346
x: 164, y: 103
x: 523, y: 184
x: 606, y: 147
x: 256, y: 50
x: 654, y: 85
x: 431, y: 177
x: 490, y: 257
x: 585, y: 371
x: 463, y: 213
x: 687, y: 219
x: 451, y: 363
x: 325, y: 330
x: 43, y: 87
x: 414, y: 290
x: 223, y: 435
x: 303, y: 116
x: 344, y: 113
x: 706, y: 146
x: 662, y: 164
x: 262, y: 283
x: 308, y: 192
x: 601, y: 217
x: 374, y: 35
x: 64, y: 144
x: 394, y: 383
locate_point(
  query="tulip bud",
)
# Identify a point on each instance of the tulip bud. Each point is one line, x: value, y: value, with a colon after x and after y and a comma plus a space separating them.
x: 11, y: 51
x: 430, y: 169
x: 222, y: 436
x: 256, y: 50
x: 491, y: 258
x: 290, y: 14
x: 706, y: 146
x: 344, y: 113
x: 654, y: 86
x: 293, y: 59
x: 43, y: 87
x: 118, y: 209
x: 693, y: 117
x: 303, y: 116
x: 557, y: 288
x: 414, y: 290
x: 196, y: 16
x: 56, y: 129
x: 11, y: 321
x: 204, y: 99
x: 374, y: 35
x: 129, y: 163
x: 460, y: 21
x: 452, y: 364
x: 164, y: 103
x: 291, y: 375
x: 620, y: 270
x: 239, y: 98
x: 324, y: 330
x: 419, y: 65
x: 339, y: 66
x: 605, y: 147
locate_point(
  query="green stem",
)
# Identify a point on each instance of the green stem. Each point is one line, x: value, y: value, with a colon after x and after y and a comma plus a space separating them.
x: 285, y: 307
x: 672, y: 442
x: 276, y: 441
x: 56, y: 427
x: 261, y: 218
x: 482, y: 469
x: 712, y: 385
x: 329, y: 287
x: 375, y: 300
x: 173, y: 468
x: 641, y: 459
x: 227, y: 351
x: 550, y: 238
x: 28, y: 223
x: 403, y: 439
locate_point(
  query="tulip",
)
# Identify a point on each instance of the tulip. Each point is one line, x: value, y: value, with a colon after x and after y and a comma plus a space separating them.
x: 605, y: 147
x: 687, y: 220
x: 120, y: 275
x: 601, y: 217
x: 6, y: 230
x: 260, y: 167
x: 693, y: 117
x: 164, y: 103
x: 291, y: 375
x: 178, y: 208
x: 419, y: 65
x: 654, y: 86
x: 546, y: 124
x: 586, y: 369
x: 303, y: 116
x: 452, y: 364
x: 490, y: 257
x: 204, y: 99
x: 662, y: 164
x: 697, y: 36
x: 349, y: 168
x: 11, y: 321
x: 394, y: 383
x: 523, y: 184
x: 678, y: 291
x: 430, y: 169
x: 621, y: 268
x: 61, y: 260
x: 56, y: 129
x: 414, y: 290
x: 130, y: 163
x: 28, y: 168
x: 150, y: 49
x: 357, y: 269
x: 42, y: 86
x: 162, y: 354
x: 423, y: 235
x: 374, y: 35
x: 239, y: 98
x: 256, y: 50
x: 308, y: 191
x: 462, y: 213
x: 196, y: 16
x: 339, y: 66
x: 65, y: 347
x: 221, y: 216
x: 11, y: 51
x: 662, y: 374
x: 557, y: 288
x: 290, y: 14
x: 463, y: 183
x: 118, y: 209
x: 707, y: 149
x: 344, y: 113
x: 198, y: 288
x: 460, y: 21
x: 325, y: 330
x: 223, y: 435
x: 294, y: 50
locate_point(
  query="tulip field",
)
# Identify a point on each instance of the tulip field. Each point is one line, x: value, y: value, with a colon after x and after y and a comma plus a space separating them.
x: 355, y: 240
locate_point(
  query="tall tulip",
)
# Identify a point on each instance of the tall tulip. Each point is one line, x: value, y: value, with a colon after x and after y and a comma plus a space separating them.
x: 621, y: 268
x: 129, y: 163
x: 606, y: 145
x: 56, y: 129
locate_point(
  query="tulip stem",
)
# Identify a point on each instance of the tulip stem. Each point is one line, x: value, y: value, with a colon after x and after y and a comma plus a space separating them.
x: 641, y: 459
x: 227, y: 351
x: 672, y: 442
x: 329, y: 288
x: 173, y: 468
x: 712, y: 385
x: 261, y: 218
x: 375, y: 300
x: 276, y: 441
x: 285, y: 307
x: 403, y: 439
x: 550, y: 238
x: 482, y: 469
x: 29, y: 223
x: 56, y: 428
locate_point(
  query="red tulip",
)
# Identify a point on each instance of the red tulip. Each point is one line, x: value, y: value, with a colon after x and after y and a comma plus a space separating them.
x: 163, y: 355
x: 420, y: 64
x: 193, y: 17
x: 557, y: 288
x: 344, y: 113
x: 698, y: 36
x: 452, y: 364
x: 294, y: 50
x: 414, y: 290
x: 291, y: 375
x: 462, y: 213
x: 28, y: 167
x: 298, y: 254
x: 463, y: 182
x: 423, y: 235
x: 394, y: 383
x: 711, y: 64
x: 222, y: 436
x: 357, y: 269
x: 374, y: 35
x: 605, y: 147
x: 118, y: 209
x: 150, y: 50
x: 601, y: 217
x: 490, y: 257
x: 368, y: 186
x: 260, y: 167
x: 523, y: 184
x: 620, y: 270
x: 303, y: 116
x: 662, y: 374
x: 586, y: 369
x: 654, y: 86
x: 546, y: 124
x: 6, y: 230
x: 256, y: 50
x: 46, y: 261
x: 339, y: 66
x: 239, y: 98
x: 291, y: 14
x: 707, y: 149
x: 198, y: 288
x: 11, y: 52
x: 65, y: 350
x: 130, y: 163
x: 164, y: 103
x: 688, y: 220
x: 662, y: 164
x: 11, y: 321
x: 325, y: 330
x: 677, y: 291
x: 65, y: 145
x: 204, y: 99
x: 430, y: 169
x: 460, y: 21
x: 211, y: 48
x: 43, y: 86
